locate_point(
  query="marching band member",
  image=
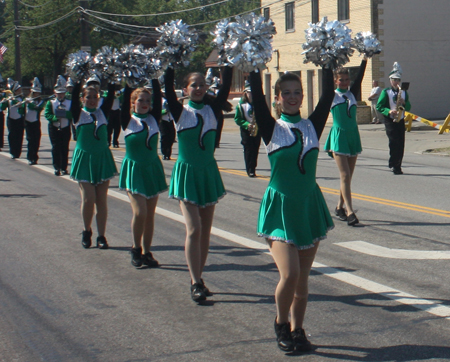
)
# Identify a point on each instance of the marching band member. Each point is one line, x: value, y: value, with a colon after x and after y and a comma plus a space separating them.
x: 57, y: 112
x: 250, y: 137
x: 389, y: 104
x: 293, y: 215
x: 93, y: 165
x: 114, y: 118
x: 166, y: 130
x: 69, y: 86
x: 34, y: 105
x: 3, y: 95
x: 196, y: 180
x: 15, y: 119
x: 142, y: 173
x: 344, y: 142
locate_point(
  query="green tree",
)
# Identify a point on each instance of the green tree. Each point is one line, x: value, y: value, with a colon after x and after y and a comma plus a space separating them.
x: 46, y: 42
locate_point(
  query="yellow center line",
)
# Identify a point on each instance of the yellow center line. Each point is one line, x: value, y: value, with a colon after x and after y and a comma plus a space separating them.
x: 376, y: 200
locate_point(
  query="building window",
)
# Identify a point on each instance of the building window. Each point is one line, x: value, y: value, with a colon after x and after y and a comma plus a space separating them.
x: 314, y: 11
x: 289, y: 8
x: 266, y: 13
x: 343, y: 10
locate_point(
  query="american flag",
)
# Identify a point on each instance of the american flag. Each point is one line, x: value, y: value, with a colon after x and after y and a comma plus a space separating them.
x: 3, y: 49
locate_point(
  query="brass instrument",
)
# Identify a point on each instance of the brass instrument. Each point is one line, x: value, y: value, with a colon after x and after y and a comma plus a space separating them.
x: 253, y: 126
x: 29, y: 100
x: 60, y: 112
x: 398, y: 107
x: 6, y: 100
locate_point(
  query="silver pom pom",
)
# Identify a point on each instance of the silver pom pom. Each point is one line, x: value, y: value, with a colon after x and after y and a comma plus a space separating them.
x: 366, y: 43
x: 133, y: 61
x: 176, y: 43
x: 154, y: 67
x: 246, y: 43
x: 106, y: 65
x: 328, y: 44
x: 78, y: 65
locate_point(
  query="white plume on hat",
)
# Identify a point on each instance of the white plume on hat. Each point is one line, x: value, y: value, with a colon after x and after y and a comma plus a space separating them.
x: 396, y: 71
x: 36, y: 85
x: 70, y: 83
x: 209, y: 76
x: 60, y: 86
x: 93, y: 78
x: 10, y: 83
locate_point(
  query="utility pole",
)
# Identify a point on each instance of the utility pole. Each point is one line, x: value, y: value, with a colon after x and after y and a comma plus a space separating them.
x: 17, y: 43
x: 85, y: 40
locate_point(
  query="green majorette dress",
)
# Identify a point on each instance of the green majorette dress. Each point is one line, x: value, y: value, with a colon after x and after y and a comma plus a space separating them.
x: 142, y: 172
x: 293, y: 209
x: 195, y: 177
x: 344, y: 138
x: 92, y: 159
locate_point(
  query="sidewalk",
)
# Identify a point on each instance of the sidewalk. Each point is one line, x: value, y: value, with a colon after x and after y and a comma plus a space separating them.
x: 421, y: 139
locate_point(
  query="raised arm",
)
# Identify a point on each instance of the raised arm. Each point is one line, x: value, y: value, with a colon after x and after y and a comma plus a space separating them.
x: 157, y: 101
x: 356, y: 87
x: 125, y: 114
x: 109, y: 100
x: 265, y: 122
x: 320, y: 114
x: 175, y: 107
x: 75, y: 105
x: 224, y: 91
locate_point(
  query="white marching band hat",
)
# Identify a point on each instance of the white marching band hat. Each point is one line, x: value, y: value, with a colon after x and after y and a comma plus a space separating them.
x: 36, y: 85
x: 396, y: 72
x: 12, y: 85
x: 94, y: 78
x: 60, y: 86
x: 70, y: 82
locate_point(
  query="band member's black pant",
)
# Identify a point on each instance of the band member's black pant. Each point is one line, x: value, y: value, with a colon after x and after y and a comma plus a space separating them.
x: 114, y: 127
x: 167, y: 132
x: 2, y: 128
x: 396, y: 134
x: 33, y: 134
x: 251, y: 149
x: 15, y: 136
x: 60, y: 139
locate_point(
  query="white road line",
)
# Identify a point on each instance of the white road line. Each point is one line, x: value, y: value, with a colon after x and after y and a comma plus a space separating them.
x: 428, y: 306
x: 383, y: 252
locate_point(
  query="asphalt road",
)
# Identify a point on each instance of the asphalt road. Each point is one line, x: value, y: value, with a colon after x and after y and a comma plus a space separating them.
x: 378, y: 292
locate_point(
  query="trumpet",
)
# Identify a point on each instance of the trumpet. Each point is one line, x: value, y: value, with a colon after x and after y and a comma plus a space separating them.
x: 6, y: 100
x: 29, y: 100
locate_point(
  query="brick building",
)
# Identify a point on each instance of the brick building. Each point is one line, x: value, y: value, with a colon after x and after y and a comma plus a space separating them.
x: 414, y: 33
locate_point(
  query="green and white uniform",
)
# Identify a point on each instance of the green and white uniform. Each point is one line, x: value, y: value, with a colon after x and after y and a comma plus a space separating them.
x: 142, y: 171
x: 344, y: 138
x: 92, y: 159
x: 293, y: 209
x: 195, y: 177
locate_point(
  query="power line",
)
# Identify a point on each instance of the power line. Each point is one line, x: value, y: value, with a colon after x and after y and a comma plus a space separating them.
x: 69, y: 14
x: 160, y: 14
x: 37, y: 6
x: 50, y: 36
x: 47, y: 14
